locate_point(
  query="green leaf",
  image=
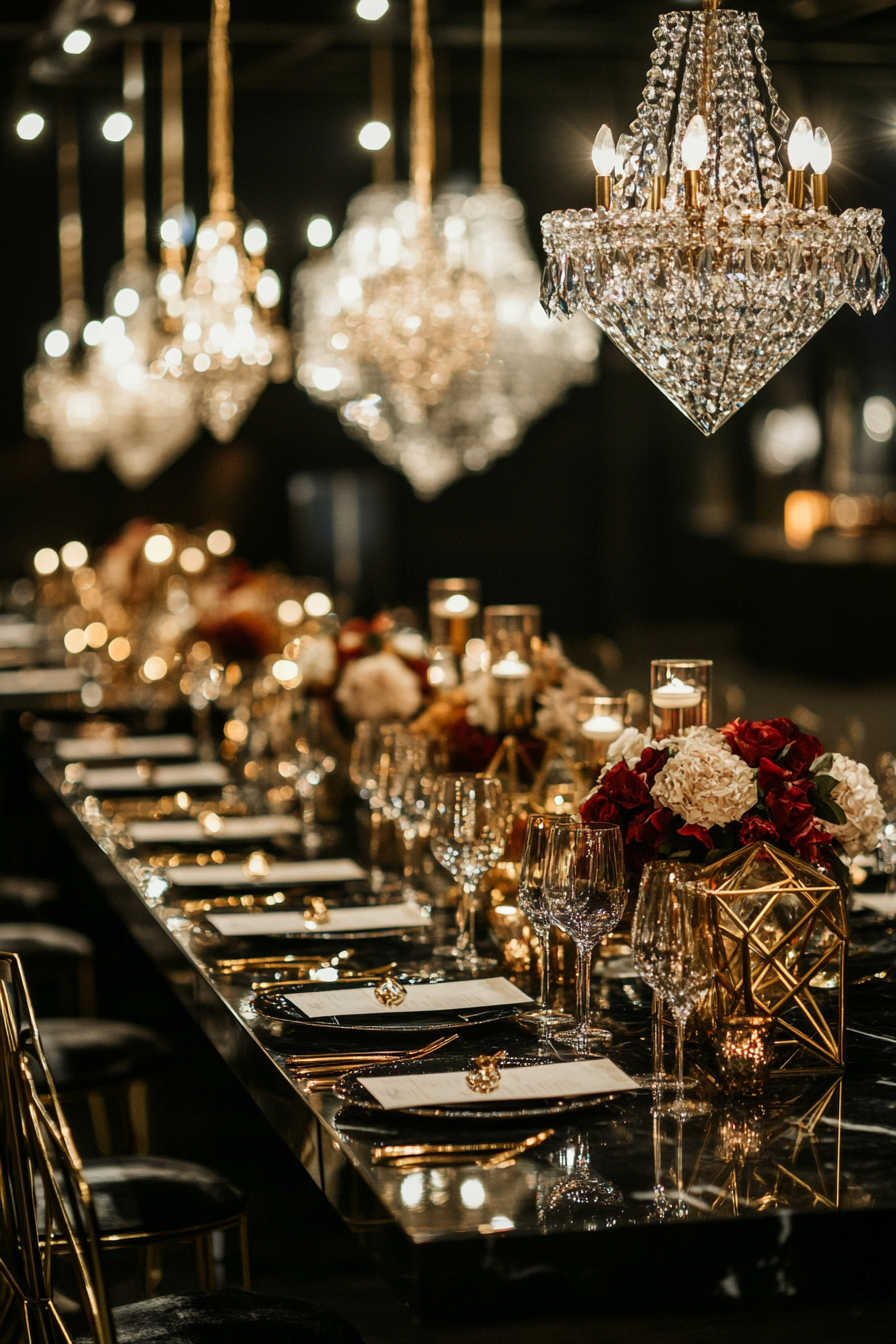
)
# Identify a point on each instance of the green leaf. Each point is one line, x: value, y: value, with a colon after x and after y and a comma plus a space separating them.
x: 822, y: 763
x: 825, y: 784
x: 827, y: 810
x: 715, y: 854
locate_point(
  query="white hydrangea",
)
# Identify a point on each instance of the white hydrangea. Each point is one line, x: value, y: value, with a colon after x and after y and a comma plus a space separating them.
x: 627, y: 747
x: 857, y: 794
x: 379, y: 687
x: 557, y: 715
x: 703, y: 781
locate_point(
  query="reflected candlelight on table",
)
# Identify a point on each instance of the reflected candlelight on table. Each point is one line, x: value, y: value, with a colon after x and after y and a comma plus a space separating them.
x: 680, y: 695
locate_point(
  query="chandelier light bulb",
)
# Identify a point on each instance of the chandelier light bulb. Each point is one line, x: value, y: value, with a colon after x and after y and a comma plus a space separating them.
x: 375, y: 135
x: 603, y: 152
x: 169, y: 231
x: 76, y: 42
x: 371, y: 9
x: 29, y: 126
x: 800, y: 145
x: 56, y: 343
x: 117, y: 127
x: 268, y: 289
x: 319, y: 232
x: 255, y: 238
x: 821, y: 155
x: 695, y: 145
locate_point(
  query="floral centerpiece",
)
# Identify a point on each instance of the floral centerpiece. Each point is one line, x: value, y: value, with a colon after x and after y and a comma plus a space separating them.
x: 701, y: 796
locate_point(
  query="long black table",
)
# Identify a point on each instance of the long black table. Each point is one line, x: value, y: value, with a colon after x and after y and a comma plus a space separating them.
x: 790, y: 1198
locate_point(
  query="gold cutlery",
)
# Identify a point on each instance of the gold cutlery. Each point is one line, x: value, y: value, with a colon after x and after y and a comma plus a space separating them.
x: 322, y: 1074
x: 383, y: 1152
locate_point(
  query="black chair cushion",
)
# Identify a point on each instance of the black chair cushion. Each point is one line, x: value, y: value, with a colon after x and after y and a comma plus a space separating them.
x: 158, y: 1195
x: 229, y: 1317
x: 26, y: 892
x: 44, y: 940
x: 87, y: 1052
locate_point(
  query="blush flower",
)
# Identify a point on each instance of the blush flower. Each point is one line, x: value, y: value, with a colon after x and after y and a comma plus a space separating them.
x: 857, y: 794
x: 379, y: 687
x: 703, y: 781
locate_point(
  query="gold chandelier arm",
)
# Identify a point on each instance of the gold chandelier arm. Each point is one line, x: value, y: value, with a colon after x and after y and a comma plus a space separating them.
x: 490, y: 124
x: 172, y: 122
x: 220, y: 112
x: 423, y: 132
x: 133, y: 154
x: 71, y: 266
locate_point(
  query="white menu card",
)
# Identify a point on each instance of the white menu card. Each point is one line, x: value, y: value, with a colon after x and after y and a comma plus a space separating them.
x: 41, y: 681
x: 103, y: 748
x: 492, y: 993
x: 580, y: 1078
x: 232, y: 874
x: 229, y: 828
x: 189, y: 775
x: 342, y: 919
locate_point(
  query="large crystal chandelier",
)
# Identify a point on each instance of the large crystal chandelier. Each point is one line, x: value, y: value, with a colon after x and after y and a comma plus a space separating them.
x: 230, y: 344
x: 710, y: 276
x: 508, y: 364
x: 60, y: 405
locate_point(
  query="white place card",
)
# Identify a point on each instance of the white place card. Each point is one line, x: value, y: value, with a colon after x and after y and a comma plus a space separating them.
x: 41, y: 681
x: 343, y: 919
x: 878, y: 901
x: 230, y: 828
x: 189, y: 775
x: 105, y: 748
x: 581, y: 1078
x: 232, y: 875
x: 20, y: 635
x: 492, y: 993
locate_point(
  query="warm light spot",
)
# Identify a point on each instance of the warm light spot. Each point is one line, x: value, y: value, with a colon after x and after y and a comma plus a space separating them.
x: 318, y: 604
x: 267, y: 291
x: 117, y: 127
x: 805, y: 511
x: 46, y: 561
x: 74, y: 554
x: 126, y: 302
x: 472, y: 1194
x: 155, y: 668
x: 220, y: 542
x: 371, y: 10
x: 285, y: 670
x: 56, y: 343
x: 76, y: 42
x: 119, y: 649
x: 255, y: 239
x: 96, y: 634
x: 75, y: 641
x: 192, y: 560
x: 374, y: 135
x: 158, y: 548
x: 320, y: 231
x: 235, y: 730
x: 29, y: 126
x: 289, y: 612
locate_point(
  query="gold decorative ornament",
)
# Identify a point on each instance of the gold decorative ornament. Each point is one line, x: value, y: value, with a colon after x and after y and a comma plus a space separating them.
x: 257, y: 865
x: 317, y: 911
x: 486, y: 1076
x: 390, y: 993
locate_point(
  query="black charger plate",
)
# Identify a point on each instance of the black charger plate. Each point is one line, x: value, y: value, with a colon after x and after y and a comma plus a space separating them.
x: 273, y: 1003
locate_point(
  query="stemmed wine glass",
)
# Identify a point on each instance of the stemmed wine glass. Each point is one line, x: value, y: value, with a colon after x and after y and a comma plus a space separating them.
x: 657, y: 874
x: 416, y: 762
x: 534, y: 905
x: 585, y: 888
x: 313, y: 762
x: 372, y: 749
x: 672, y: 951
x: 466, y: 835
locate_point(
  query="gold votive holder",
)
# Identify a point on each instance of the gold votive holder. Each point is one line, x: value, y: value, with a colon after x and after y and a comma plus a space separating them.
x: 745, y: 1051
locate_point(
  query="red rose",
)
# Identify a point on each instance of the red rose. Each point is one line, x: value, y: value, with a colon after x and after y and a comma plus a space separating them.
x: 754, y: 739
x: 792, y: 814
x: 621, y: 789
x: 645, y: 833
x: 754, y: 828
x: 698, y: 832
x: 651, y: 763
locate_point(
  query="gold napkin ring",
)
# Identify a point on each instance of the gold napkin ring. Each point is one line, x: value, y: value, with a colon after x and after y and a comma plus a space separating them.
x: 317, y: 911
x: 390, y: 993
x: 486, y: 1076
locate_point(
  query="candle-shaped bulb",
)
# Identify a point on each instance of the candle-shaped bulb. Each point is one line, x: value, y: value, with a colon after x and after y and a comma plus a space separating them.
x: 621, y: 157
x: 821, y: 155
x: 800, y: 144
x: 695, y: 145
x: 603, y: 152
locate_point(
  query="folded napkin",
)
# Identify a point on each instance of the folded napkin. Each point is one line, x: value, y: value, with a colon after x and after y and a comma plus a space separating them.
x: 41, y: 681
x: 118, y: 778
x: 279, y: 874
x: 105, y: 748
x: 225, y: 828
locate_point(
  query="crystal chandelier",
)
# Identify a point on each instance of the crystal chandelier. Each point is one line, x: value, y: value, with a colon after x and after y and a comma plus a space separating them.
x: 696, y: 262
x: 60, y: 405
x: 230, y: 344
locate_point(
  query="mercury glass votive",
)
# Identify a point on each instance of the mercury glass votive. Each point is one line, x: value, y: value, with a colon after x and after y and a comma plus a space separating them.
x: 745, y: 1050
x: 600, y: 720
x: 680, y: 695
x: 455, y: 606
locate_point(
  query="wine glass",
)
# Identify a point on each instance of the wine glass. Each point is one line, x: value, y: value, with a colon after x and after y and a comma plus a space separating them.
x: 466, y: 835
x: 585, y: 888
x: 534, y: 905
x: 313, y: 762
x: 417, y: 760
x: 372, y: 748
x: 657, y: 874
x: 672, y: 948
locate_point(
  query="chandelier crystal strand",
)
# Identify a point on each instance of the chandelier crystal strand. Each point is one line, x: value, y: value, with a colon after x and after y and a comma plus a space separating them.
x: 60, y: 405
x: 708, y: 277
x: 228, y: 343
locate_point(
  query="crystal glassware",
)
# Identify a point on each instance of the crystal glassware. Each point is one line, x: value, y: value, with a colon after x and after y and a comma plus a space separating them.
x: 656, y: 875
x: 466, y: 835
x: 372, y: 749
x: 585, y: 888
x: 314, y: 761
x: 534, y: 905
x: 672, y: 950
x: 416, y: 762
x: 455, y: 607
x: 680, y: 695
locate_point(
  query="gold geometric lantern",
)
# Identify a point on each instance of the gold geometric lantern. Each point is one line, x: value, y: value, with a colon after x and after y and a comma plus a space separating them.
x: 780, y: 929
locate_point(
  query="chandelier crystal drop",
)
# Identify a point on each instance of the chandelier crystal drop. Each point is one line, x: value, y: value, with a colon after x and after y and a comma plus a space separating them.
x: 61, y: 406
x: 712, y: 278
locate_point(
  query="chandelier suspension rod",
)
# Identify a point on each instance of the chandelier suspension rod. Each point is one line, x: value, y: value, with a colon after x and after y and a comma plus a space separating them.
x: 172, y: 122
x: 382, y: 108
x: 490, y: 123
x: 71, y: 264
x: 133, y: 155
x: 220, y: 112
x: 423, y: 131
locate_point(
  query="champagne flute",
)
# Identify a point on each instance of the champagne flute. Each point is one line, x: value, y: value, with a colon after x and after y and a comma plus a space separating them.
x: 585, y: 887
x: 673, y: 951
x: 657, y: 874
x: 372, y: 747
x: 534, y: 905
x: 466, y: 835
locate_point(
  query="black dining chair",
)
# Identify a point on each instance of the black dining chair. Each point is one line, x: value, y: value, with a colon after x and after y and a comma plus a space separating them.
x: 55, y: 1203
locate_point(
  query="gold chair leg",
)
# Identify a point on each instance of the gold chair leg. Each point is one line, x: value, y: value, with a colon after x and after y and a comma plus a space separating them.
x: 99, y: 1118
x: 86, y: 988
x: 151, y: 1266
x: 205, y: 1261
x: 138, y: 1116
x: 244, y: 1252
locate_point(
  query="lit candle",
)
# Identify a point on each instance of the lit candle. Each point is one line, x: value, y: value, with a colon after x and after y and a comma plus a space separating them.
x: 511, y: 667
x: 601, y: 728
x: 677, y: 694
x: 603, y: 156
x: 821, y: 162
x: 694, y: 149
x: 456, y: 607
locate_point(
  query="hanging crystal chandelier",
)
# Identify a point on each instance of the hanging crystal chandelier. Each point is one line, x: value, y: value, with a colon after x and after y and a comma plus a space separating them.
x: 230, y: 344
x: 710, y: 276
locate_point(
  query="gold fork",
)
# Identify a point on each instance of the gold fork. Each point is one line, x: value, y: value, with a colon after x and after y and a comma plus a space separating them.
x: 323, y: 1077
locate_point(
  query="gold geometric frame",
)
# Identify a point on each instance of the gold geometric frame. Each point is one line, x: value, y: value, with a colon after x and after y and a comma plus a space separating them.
x: 787, y: 920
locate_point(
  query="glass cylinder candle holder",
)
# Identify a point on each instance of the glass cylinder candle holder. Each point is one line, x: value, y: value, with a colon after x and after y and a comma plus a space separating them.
x: 600, y: 720
x: 455, y: 606
x: 680, y: 695
x: 511, y: 637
